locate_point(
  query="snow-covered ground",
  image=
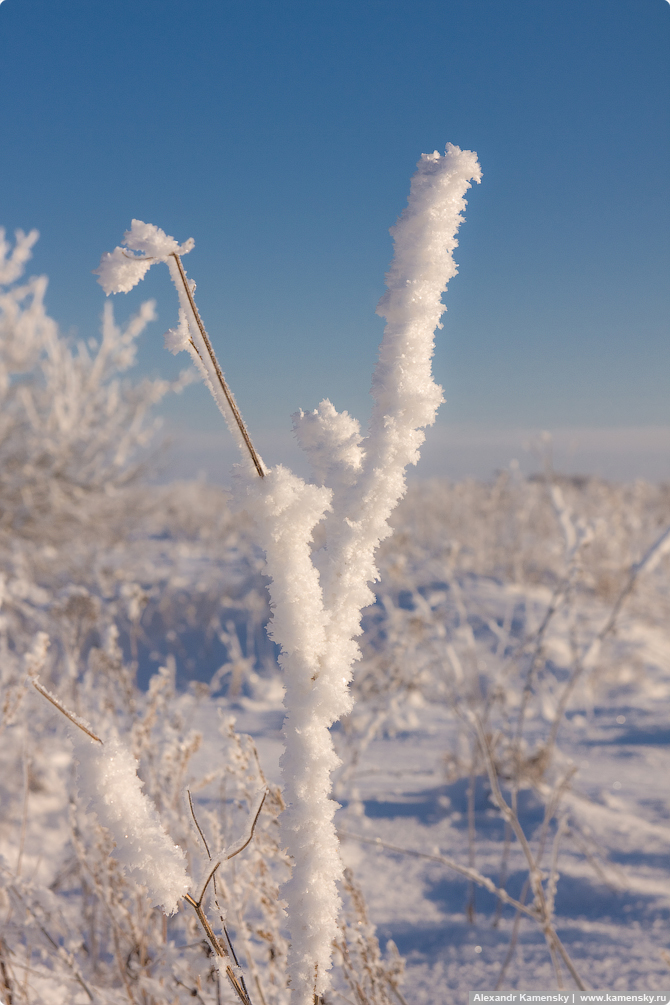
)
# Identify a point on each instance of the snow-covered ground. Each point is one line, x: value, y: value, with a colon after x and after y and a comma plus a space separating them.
x: 460, y: 625
x: 613, y: 895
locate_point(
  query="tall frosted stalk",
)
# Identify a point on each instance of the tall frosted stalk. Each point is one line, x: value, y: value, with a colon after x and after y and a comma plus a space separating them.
x: 317, y: 596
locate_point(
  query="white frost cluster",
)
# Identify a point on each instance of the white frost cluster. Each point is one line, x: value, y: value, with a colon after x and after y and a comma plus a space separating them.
x: 120, y: 270
x: 317, y: 597
x: 13, y: 260
x: 108, y: 782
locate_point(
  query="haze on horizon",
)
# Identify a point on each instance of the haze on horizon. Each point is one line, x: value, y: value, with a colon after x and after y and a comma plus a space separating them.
x: 281, y: 138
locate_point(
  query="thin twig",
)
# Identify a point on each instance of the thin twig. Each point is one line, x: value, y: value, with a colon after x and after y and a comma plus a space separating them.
x: 503, y: 871
x: 219, y: 373
x: 217, y: 947
x: 535, y: 875
x: 74, y: 719
x: 220, y: 950
x: 471, y: 874
x: 252, y: 828
x: 207, y: 882
x: 195, y: 821
x: 514, y: 937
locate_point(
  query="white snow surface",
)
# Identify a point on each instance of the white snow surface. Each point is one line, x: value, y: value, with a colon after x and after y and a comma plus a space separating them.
x: 468, y: 564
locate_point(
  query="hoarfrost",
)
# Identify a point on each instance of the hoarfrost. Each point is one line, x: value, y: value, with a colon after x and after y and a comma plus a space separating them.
x: 317, y: 600
x: 317, y: 595
x: 120, y: 271
x: 108, y: 782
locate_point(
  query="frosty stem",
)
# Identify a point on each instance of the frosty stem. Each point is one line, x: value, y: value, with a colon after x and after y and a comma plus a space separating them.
x: 219, y: 949
x: 317, y: 595
x: 219, y: 373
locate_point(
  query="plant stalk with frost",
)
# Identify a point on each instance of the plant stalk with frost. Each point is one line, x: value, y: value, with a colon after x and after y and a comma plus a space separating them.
x: 111, y: 788
x: 317, y: 596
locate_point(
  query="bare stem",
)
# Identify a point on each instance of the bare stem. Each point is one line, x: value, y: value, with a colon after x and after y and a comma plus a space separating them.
x: 74, y: 719
x: 219, y: 948
x: 471, y: 874
x: 195, y: 821
x: 219, y: 373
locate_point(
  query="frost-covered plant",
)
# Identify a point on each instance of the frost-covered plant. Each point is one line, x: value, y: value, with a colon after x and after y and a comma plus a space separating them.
x: 317, y: 597
x: 70, y: 427
x: 514, y: 604
x: 370, y: 979
x: 73, y: 433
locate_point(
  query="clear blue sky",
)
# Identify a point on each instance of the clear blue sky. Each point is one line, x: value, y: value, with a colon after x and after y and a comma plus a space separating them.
x: 281, y: 135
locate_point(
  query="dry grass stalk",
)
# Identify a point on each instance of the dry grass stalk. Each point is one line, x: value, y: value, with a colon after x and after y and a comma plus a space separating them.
x: 74, y: 719
x: 219, y: 373
x: 219, y: 949
x: 554, y: 944
x: 369, y: 977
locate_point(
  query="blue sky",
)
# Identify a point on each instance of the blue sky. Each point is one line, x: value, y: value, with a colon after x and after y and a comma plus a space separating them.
x: 282, y: 136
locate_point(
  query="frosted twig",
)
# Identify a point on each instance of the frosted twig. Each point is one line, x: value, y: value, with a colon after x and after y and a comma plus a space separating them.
x: 74, y: 719
x: 195, y: 821
x: 232, y: 404
x: 238, y: 984
x: 471, y: 874
x: 549, y: 812
x: 553, y: 875
x: 514, y: 937
x: 119, y: 272
x: 218, y: 948
x: 535, y: 876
